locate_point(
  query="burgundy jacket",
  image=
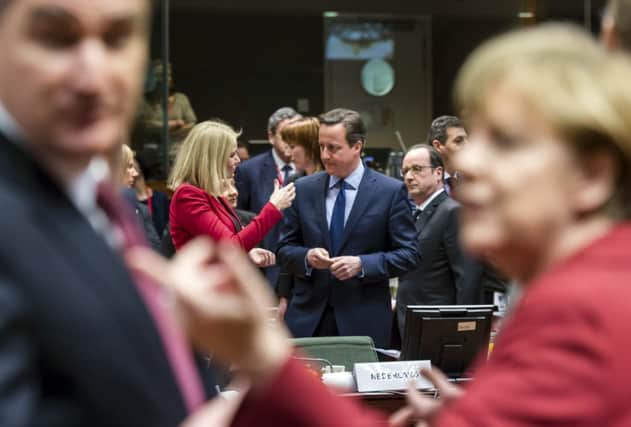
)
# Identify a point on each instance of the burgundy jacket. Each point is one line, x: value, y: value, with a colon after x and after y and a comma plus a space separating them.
x: 563, y: 358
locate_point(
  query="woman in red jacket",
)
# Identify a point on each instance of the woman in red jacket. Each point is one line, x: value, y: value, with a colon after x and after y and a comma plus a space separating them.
x: 206, y: 159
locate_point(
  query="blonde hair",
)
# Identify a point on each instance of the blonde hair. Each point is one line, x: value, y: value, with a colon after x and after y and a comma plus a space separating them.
x: 201, y: 160
x: 580, y: 90
x: 127, y: 155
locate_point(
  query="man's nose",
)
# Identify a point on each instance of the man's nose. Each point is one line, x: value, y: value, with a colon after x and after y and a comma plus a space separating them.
x: 91, y: 66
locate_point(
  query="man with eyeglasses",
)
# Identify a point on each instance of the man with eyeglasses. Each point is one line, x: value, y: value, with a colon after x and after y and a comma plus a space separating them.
x: 439, y: 278
x: 348, y: 231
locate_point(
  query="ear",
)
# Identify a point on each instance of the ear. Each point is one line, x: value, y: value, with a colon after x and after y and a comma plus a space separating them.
x: 437, y: 145
x: 270, y: 137
x: 596, y: 182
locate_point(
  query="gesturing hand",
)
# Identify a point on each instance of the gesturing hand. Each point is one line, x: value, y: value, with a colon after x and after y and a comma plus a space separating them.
x: 423, y: 409
x: 345, y: 267
x: 283, y: 196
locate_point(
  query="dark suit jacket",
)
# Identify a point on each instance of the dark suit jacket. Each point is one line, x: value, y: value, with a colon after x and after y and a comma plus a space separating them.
x: 194, y: 212
x: 439, y: 279
x: 255, y: 182
x: 379, y: 229
x: 144, y: 218
x: 560, y: 359
x: 77, y: 345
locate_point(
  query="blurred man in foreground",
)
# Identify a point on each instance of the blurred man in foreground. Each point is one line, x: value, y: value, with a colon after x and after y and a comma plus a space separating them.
x: 82, y: 341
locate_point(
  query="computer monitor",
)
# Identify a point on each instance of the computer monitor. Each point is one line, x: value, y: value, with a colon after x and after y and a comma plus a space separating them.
x: 451, y: 336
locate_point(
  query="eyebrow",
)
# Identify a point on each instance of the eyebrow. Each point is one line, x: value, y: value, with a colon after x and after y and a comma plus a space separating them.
x: 45, y: 13
x: 55, y: 13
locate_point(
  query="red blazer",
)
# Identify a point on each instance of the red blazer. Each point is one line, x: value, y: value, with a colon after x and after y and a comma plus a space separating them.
x: 563, y: 358
x: 194, y: 212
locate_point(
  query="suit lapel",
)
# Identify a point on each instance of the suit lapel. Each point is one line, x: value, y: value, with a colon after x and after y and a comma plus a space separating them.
x: 364, y: 195
x: 269, y: 170
x: 428, y: 212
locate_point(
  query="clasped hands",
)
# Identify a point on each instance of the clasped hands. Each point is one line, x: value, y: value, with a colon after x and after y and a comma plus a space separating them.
x: 342, y: 267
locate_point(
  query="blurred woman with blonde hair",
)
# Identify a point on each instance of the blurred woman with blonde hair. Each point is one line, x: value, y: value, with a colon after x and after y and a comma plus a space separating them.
x: 206, y: 159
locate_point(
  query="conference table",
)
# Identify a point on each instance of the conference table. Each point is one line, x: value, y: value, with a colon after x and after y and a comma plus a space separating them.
x: 387, y: 402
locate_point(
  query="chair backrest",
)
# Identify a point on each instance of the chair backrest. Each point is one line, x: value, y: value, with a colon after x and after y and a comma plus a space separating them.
x: 339, y: 350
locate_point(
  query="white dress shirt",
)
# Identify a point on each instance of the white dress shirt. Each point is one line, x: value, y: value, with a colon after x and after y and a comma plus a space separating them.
x: 429, y: 199
x: 280, y: 164
x: 352, y: 182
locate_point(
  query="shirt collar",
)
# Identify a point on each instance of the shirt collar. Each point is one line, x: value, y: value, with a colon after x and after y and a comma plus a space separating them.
x: 352, y: 180
x: 426, y: 203
x: 9, y: 126
x: 83, y: 188
x: 279, y: 162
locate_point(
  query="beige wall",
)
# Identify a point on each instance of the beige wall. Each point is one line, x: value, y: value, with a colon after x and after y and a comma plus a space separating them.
x: 408, y: 107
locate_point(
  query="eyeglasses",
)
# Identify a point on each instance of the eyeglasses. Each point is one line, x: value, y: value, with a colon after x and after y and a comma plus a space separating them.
x: 415, y: 169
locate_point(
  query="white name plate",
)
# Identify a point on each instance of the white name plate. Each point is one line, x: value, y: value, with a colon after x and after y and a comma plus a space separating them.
x: 390, y: 376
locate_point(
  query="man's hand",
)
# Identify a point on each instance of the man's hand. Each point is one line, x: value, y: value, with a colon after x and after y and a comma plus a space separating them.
x: 318, y: 258
x: 346, y: 267
x: 424, y: 410
x: 262, y: 257
x: 221, y: 300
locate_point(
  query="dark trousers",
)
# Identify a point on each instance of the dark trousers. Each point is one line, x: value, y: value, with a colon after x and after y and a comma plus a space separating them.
x: 327, y: 326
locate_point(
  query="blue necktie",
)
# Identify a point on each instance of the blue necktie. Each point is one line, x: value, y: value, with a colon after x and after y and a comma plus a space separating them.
x: 286, y: 169
x: 336, y: 229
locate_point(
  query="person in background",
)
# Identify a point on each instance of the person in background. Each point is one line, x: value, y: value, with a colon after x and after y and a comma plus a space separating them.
x: 302, y: 138
x: 349, y: 230
x: 551, y: 111
x: 157, y: 202
x: 448, y: 136
x: 439, y: 278
x: 181, y: 115
x: 243, y: 151
x: 255, y: 178
x: 129, y: 174
x: 206, y: 159
x: 231, y: 194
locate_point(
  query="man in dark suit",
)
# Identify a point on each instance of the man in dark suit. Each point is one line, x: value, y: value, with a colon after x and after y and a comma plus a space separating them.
x: 448, y: 136
x: 348, y: 231
x: 439, y: 279
x: 255, y: 178
x: 83, y: 341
